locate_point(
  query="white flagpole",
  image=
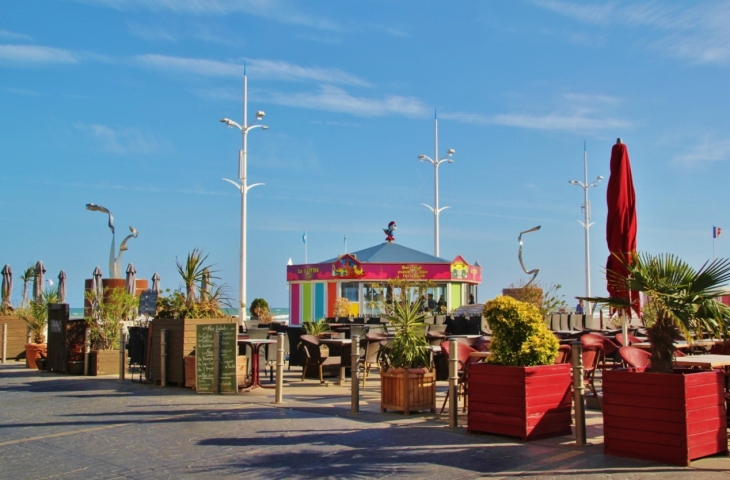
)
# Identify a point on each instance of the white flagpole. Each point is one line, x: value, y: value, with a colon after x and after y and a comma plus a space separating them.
x: 345, y: 243
x: 305, y: 247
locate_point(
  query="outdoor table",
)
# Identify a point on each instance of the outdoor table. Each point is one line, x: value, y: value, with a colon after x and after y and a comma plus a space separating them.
x: 340, y: 344
x: 255, y: 344
x: 477, y: 356
x: 703, y: 361
x: 470, y: 339
x: 679, y: 345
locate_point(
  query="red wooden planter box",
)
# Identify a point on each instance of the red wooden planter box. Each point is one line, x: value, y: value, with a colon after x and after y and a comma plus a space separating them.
x: 525, y: 402
x: 666, y: 417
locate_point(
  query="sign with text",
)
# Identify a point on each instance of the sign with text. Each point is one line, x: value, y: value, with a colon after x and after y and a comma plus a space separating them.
x: 205, y: 359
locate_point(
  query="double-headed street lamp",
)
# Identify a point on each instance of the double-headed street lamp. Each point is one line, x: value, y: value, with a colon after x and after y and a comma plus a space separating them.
x: 586, y: 207
x: 244, y: 188
x: 435, y: 209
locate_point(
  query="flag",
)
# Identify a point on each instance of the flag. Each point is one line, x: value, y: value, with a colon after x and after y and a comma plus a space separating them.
x: 304, y: 237
x: 716, y: 232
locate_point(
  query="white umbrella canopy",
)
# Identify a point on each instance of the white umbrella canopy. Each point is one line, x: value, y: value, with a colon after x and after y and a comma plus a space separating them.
x: 7, y: 290
x: 96, y: 284
x: 38, y: 281
x: 156, y: 282
x: 62, y: 287
x: 131, y: 281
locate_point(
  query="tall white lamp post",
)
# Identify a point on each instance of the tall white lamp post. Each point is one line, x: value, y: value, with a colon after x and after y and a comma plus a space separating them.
x: 244, y: 187
x: 435, y: 209
x: 586, y: 207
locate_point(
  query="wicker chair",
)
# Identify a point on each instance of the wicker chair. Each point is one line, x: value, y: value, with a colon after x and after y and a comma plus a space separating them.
x: 313, y: 356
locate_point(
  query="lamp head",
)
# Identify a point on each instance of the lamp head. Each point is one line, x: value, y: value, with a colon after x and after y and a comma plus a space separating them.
x: 572, y: 182
x: 451, y: 161
x: 228, y: 122
x: 260, y: 115
x: 451, y: 152
x: 600, y: 177
x: 264, y: 127
x: 422, y: 157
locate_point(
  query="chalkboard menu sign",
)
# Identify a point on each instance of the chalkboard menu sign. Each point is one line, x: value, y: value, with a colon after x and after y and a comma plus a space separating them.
x: 204, y: 358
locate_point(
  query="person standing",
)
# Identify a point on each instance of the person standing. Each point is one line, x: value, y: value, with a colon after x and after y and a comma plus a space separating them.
x: 579, y: 307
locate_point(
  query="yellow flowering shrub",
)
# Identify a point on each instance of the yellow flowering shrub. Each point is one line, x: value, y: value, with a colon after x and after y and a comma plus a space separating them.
x: 519, y: 335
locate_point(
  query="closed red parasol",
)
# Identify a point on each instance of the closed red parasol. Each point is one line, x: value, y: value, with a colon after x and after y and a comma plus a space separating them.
x: 621, y: 221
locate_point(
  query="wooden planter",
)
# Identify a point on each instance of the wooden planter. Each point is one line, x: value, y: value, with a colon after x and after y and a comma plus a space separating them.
x: 524, y: 402
x: 34, y: 351
x: 180, y: 343
x: 104, y: 362
x: 17, y: 336
x: 408, y: 390
x: 665, y: 417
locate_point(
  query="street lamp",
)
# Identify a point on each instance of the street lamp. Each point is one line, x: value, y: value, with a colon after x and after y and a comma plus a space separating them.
x: 243, y: 187
x: 435, y: 209
x: 586, y: 207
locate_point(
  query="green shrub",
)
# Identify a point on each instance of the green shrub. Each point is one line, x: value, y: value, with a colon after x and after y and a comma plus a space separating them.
x: 258, y: 303
x: 519, y: 335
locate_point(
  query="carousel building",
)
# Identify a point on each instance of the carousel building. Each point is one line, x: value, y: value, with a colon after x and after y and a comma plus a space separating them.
x: 362, y: 278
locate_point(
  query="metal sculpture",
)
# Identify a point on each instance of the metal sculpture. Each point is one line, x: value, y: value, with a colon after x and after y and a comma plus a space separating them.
x: 519, y: 255
x: 115, y: 264
x: 389, y: 232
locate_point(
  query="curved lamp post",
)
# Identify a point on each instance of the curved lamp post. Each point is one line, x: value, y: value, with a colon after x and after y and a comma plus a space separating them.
x: 435, y: 209
x: 586, y: 207
x: 243, y: 187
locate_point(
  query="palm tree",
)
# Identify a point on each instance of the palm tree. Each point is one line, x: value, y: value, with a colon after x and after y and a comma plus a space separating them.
x: 26, y: 277
x: 682, y: 300
x: 193, y: 271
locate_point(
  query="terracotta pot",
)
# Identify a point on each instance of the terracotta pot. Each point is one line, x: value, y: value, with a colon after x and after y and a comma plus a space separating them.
x: 32, y: 352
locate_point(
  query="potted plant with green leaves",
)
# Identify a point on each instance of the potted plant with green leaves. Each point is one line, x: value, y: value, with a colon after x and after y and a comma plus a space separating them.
x: 258, y: 305
x: 109, y: 312
x: 407, y: 376
x: 682, y: 412
x: 519, y: 391
x: 318, y: 328
x: 36, y: 316
x: 200, y: 301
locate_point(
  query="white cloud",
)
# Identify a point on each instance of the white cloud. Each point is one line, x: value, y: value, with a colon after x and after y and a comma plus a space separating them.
x: 15, y: 36
x: 35, y: 55
x: 151, y: 33
x: 260, y: 68
x: 577, y: 113
x: 335, y: 99
x: 122, y: 141
x: 706, y: 151
x: 699, y: 33
x: 281, y: 11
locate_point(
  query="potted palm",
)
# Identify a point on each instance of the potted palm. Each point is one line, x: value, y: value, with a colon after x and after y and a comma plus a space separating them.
x: 180, y: 311
x: 407, y: 377
x: 108, y: 314
x: 519, y: 391
x: 666, y: 414
x: 36, y: 316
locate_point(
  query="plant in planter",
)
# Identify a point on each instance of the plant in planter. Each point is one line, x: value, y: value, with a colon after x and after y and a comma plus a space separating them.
x: 519, y: 392
x: 317, y: 328
x: 36, y: 316
x: 342, y: 308
x: 408, y: 380
x: 258, y: 303
x: 179, y: 312
x: 690, y: 422
x: 109, y: 312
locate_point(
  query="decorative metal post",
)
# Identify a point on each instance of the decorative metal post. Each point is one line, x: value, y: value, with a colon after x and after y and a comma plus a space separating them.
x: 279, y: 368
x: 355, y: 382
x: 453, y: 385
x: 576, y: 350
x: 122, y: 350
x: 87, y: 350
x: 5, y: 341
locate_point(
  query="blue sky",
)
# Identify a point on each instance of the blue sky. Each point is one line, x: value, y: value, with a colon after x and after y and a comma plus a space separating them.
x: 117, y: 102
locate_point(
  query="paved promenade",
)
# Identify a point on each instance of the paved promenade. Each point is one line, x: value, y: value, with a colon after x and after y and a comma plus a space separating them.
x: 57, y: 426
